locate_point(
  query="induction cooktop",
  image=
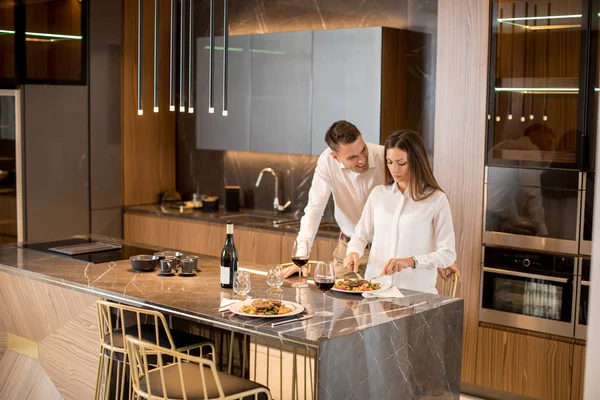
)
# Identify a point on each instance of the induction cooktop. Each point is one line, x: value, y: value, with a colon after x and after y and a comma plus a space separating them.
x: 106, y: 254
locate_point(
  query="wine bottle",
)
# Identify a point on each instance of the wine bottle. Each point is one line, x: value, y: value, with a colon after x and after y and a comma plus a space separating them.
x: 229, y: 259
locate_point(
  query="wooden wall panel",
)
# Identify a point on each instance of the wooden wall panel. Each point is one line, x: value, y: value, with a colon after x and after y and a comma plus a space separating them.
x: 22, y: 377
x: 70, y: 355
x: 148, y: 141
x: 524, y: 365
x: 34, y: 310
x: 578, y: 372
x: 460, y: 118
x: 393, y: 78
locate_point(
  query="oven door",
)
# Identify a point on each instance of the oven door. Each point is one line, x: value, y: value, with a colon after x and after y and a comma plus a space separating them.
x: 540, y: 303
x: 532, y: 209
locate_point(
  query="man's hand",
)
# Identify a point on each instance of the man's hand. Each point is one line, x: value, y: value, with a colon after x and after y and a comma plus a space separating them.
x: 446, y: 273
x: 291, y: 270
x: 351, y: 262
x: 396, y: 265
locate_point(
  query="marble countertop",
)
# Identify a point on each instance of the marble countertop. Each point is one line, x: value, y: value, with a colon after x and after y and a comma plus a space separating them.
x: 198, y: 297
x: 328, y: 229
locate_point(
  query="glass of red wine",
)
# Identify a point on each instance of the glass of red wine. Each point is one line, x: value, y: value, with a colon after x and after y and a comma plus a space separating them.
x: 324, y: 279
x: 300, y: 255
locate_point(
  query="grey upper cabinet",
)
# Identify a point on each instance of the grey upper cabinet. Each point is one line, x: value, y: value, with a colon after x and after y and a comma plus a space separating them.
x: 214, y: 131
x: 281, y: 93
x: 346, y: 82
x: 286, y: 89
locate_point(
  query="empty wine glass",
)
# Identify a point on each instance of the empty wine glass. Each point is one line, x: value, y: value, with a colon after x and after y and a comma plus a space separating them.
x: 300, y: 256
x: 241, y: 283
x: 324, y: 279
x: 274, y: 277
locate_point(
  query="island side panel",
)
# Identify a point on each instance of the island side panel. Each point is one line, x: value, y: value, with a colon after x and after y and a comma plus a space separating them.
x: 407, y: 358
x: 53, y: 330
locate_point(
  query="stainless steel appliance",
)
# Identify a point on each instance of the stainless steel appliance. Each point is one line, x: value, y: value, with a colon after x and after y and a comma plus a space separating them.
x: 528, y: 290
x: 529, y: 208
x: 581, y: 315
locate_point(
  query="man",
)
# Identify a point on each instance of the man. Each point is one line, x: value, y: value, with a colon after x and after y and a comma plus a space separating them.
x: 349, y: 169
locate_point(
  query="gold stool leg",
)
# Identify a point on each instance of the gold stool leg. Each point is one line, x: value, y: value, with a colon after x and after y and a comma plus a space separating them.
x: 99, y: 374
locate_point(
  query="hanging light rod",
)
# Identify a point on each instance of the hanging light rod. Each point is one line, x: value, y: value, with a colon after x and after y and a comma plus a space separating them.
x: 48, y: 35
x: 540, y: 18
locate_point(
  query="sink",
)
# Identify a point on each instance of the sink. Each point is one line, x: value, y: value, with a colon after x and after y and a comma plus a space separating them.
x: 323, y: 226
x: 255, y: 218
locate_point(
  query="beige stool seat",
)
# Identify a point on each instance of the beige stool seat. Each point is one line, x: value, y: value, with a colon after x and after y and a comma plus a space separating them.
x: 181, y: 339
x: 194, y: 389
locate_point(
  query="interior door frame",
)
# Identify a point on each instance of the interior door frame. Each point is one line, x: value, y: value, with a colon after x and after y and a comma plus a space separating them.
x: 16, y: 93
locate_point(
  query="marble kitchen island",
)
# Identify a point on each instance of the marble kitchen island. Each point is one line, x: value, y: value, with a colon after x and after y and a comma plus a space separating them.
x: 401, y: 348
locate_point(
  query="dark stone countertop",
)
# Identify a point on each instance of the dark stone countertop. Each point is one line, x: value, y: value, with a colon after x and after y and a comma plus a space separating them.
x: 198, y: 298
x: 257, y: 219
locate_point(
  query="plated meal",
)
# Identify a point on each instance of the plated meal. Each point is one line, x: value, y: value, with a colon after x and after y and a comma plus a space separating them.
x: 357, y: 286
x: 266, y: 308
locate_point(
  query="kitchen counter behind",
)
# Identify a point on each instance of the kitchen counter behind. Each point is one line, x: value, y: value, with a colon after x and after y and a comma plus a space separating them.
x: 328, y: 229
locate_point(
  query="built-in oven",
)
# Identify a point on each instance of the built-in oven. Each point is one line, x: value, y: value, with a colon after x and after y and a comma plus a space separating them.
x: 587, y: 212
x: 581, y: 316
x: 537, y: 209
x: 528, y: 290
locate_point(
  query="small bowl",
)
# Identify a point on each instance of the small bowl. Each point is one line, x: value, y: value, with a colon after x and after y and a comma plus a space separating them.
x: 144, y: 263
x: 163, y: 254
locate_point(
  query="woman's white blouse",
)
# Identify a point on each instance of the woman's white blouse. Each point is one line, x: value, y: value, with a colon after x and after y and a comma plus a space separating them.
x: 398, y: 227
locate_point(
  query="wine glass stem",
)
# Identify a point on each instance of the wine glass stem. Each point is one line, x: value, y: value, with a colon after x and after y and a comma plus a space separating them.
x: 324, y: 301
x: 299, y: 274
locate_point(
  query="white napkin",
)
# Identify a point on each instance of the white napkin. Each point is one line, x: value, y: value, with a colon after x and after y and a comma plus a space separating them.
x: 225, y: 303
x: 391, y: 292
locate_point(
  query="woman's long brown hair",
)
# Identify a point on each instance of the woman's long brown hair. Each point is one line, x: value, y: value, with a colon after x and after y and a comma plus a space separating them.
x: 422, y: 183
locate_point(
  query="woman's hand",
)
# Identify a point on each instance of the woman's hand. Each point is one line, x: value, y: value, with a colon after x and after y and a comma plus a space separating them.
x: 351, y: 262
x: 446, y: 273
x: 396, y: 265
x: 291, y: 270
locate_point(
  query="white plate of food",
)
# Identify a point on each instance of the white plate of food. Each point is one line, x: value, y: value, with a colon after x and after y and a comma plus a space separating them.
x: 265, y: 308
x: 359, y: 286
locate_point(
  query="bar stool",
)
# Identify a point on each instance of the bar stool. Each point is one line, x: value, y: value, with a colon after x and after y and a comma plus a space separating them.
x: 188, y: 377
x: 113, y: 348
x: 448, y: 288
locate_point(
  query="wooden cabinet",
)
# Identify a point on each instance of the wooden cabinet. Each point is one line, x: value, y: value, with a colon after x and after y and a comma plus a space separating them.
x: 524, y: 365
x: 255, y: 246
x: 578, y: 372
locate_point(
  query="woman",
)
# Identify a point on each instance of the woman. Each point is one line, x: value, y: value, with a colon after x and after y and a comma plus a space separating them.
x: 408, y: 221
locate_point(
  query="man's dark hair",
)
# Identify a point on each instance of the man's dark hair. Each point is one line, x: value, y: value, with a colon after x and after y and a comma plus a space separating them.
x: 341, y: 132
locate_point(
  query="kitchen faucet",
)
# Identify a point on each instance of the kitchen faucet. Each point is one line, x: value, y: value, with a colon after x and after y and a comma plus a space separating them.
x: 276, y: 206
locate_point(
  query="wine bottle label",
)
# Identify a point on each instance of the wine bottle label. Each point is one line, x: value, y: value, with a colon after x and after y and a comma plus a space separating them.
x: 225, y: 275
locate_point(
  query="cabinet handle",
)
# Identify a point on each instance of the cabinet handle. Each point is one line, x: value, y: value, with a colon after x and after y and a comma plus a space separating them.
x: 225, y: 51
x: 139, y: 59
x: 191, y: 60
x: 211, y: 59
x: 155, y: 56
x: 181, y: 57
x: 585, y: 283
x: 172, y: 59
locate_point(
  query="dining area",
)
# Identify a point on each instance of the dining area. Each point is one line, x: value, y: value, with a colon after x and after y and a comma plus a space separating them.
x: 264, y: 338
